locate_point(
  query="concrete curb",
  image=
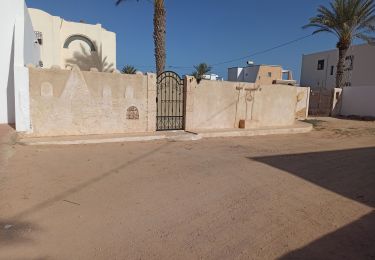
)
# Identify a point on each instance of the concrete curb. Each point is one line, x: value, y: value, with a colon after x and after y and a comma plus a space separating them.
x: 174, y: 136
x: 260, y: 132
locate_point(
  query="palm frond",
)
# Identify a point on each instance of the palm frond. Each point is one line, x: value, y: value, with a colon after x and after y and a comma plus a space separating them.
x: 347, y: 19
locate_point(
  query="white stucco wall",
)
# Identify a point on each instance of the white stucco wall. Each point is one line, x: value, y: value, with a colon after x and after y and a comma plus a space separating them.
x: 17, y: 49
x: 358, y: 101
x: 361, y: 75
x: 56, y: 31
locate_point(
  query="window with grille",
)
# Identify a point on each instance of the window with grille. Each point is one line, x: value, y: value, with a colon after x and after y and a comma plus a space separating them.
x: 39, y: 37
x: 349, y: 63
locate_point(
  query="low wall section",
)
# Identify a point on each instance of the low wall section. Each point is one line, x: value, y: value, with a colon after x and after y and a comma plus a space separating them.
x: 222, y: 104
x: 358, y: 101
x: 65, y: 102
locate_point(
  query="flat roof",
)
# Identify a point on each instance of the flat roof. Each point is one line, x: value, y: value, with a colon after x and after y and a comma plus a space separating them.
x: 257, y: 65
x: 335, y: 49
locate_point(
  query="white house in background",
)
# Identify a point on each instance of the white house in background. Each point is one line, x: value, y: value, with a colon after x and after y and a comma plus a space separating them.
x: 211, y: 77
x: 261, y: 74
x: 63, y: 43
x: 319, y: 69
x: 18, y: 48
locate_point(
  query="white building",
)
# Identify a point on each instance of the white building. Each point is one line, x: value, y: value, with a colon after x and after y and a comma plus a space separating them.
x: 319, y: 69
x: 63, y: 43
x: 261, y: 74
x: 211, y: 77
x: 18, y: 48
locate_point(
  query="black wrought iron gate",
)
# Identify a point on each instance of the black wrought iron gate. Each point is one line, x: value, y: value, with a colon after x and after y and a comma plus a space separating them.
x: 170, y: 102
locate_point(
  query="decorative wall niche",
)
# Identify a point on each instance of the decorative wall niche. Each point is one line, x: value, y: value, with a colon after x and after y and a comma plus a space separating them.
x: 46, y: 89
x: 132, y: 113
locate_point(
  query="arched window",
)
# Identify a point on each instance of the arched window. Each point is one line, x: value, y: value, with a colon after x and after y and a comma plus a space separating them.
x: 79, y: 38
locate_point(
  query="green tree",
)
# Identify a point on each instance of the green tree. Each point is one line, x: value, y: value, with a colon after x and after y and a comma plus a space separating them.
x: 200, y: 70
x: 128, y: 70
x: 348, y: 20
x: 159, y: 33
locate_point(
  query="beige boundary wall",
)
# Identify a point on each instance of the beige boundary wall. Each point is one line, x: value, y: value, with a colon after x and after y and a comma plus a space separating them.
x: 74, y: 102
x: 222, y: 104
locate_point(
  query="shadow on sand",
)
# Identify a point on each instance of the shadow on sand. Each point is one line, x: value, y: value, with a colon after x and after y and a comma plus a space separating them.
x: 349, y: 173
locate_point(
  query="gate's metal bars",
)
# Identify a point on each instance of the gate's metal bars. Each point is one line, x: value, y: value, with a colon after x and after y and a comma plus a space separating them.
x: 170, y: 102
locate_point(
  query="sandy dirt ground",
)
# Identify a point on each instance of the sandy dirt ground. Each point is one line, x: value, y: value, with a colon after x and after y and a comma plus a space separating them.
x: 305, y: 196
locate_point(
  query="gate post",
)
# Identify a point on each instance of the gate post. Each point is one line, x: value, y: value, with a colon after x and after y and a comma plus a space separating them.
x: 189, y: 84
x: 151, y: 102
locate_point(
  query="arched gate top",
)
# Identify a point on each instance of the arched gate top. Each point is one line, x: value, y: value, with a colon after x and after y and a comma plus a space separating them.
x: 169, y: 74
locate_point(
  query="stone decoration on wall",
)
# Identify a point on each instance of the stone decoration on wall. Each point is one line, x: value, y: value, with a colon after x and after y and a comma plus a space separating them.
x: 82, y: 103
x: 132, y: 113
x: 46, y: 89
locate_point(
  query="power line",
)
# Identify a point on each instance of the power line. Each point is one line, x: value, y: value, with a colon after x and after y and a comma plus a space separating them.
x: 237, y: 59
x: 264, y: 51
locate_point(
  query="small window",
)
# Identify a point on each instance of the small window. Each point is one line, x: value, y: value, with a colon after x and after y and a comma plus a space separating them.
x: 39, y: 37
x: 332, y: 70
x: 270, y: 74
x: 320, y: 64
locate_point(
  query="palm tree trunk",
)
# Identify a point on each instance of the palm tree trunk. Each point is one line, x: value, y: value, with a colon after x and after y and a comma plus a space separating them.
x: 340, y: 67
x: 159, y: 35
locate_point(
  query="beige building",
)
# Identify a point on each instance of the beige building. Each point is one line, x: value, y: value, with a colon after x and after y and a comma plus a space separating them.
x: 260, y: 74
x: 319, y: 69
x: 64, y: 43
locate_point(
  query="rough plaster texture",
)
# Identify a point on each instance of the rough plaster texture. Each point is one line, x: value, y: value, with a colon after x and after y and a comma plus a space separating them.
x: 273, y: 105
x: 303, y: 96
x: 221, y: 105
x: 75, y: 102
x: 214, y: 104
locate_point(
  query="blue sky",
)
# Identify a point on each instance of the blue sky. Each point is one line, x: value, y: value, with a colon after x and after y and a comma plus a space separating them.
x: 210, y: 31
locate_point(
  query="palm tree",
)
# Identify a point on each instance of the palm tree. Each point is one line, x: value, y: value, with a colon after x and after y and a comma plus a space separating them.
x: 159, y: 33
x: 348, y: 20
x: 200, y: 70
x: 128, y: 70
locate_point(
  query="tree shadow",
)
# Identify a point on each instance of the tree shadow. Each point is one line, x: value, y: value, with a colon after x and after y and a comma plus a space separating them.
x: 16, y: 232
x: 86, y: 60
x: 354, y: 241
x: 349, y: 173
x: 81, y: 186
